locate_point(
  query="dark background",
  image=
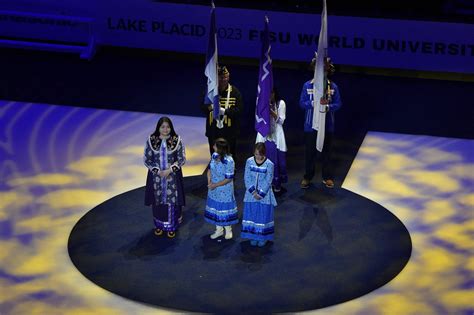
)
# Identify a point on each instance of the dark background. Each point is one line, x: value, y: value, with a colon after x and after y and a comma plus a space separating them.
x: 386, y: 100
x: 163, y: 82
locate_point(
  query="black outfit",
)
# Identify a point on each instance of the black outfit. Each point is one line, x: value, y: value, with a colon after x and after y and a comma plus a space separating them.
x: 327, y: 169
x: 231, y: 119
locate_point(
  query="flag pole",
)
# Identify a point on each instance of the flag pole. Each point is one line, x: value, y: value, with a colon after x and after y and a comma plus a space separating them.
x: 320, y: 82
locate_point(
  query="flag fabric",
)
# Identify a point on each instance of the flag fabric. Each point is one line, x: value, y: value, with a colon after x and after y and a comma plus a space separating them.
x: 265, y: 85
x: 212, y: 95
x: 320, y: 82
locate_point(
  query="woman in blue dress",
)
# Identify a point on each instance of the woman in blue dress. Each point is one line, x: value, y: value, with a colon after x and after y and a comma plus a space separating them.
x: 164, y: 156
x: 259, y: 200
x: 221, y: 207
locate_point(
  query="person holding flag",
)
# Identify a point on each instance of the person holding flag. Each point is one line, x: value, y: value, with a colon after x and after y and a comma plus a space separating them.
x: 270, y: 113
x: 226, y: 124
x: 328, y: 104
x: 320, y: 99
x: 222, y: 102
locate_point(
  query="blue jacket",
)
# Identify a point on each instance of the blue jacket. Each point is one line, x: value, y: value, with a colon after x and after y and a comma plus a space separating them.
x: 306, y: 103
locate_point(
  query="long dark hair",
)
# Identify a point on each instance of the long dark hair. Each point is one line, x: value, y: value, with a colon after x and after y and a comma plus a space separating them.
x: 160, y: 122
x: 277, y: 95
x: 222, y: 147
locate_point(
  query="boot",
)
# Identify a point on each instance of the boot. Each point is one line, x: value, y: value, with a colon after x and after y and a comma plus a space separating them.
x: 305, y: 183
x: 219, y: 232
x: 228, y: 232
x: 329, y: 183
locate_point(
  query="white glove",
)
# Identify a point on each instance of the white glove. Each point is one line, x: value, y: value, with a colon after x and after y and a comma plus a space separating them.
x: 222, y: 111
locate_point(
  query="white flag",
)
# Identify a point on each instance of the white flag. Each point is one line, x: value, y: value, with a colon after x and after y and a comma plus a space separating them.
x: 212, y: 94
x: 319, y: 81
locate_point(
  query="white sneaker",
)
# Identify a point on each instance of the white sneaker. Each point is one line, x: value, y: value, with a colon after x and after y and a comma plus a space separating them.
x: 228, y: 232
x: 219, y: 232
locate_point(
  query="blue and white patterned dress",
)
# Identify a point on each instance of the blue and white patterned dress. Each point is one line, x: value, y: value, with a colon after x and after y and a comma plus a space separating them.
x: 165, y: 195
x: 221, y: 207
x: 257, y: 222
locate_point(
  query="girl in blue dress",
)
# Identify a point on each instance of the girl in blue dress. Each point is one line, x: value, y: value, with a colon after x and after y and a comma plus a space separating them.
x: 259, y: 200
x: 221, y: 207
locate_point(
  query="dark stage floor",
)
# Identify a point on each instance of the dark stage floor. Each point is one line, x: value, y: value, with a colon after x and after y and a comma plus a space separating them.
x: 330, y: 246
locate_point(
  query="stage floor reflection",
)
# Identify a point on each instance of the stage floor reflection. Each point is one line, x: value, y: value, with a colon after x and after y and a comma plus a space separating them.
x: 58, y: 162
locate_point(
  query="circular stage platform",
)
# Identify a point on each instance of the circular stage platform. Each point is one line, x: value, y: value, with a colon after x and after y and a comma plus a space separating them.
x: 330, y: 246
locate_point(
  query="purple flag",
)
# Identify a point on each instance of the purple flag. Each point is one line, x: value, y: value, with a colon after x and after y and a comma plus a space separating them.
x: 212, y: 94
x: 265, y: 85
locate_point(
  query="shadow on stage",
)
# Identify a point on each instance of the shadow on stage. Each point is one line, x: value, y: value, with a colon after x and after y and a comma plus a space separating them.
x: 330, y: 246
